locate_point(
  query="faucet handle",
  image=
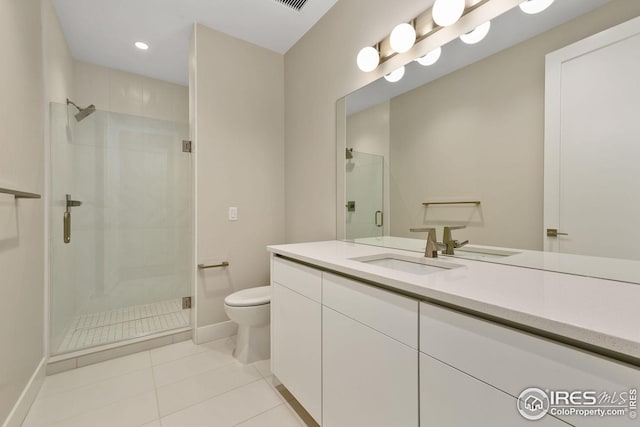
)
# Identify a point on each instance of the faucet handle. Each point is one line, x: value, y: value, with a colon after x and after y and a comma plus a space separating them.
x: 432, y: 246
x: 455, y: 227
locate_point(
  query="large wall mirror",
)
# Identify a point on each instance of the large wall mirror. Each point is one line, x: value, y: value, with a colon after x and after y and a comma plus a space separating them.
x: 461, y: 143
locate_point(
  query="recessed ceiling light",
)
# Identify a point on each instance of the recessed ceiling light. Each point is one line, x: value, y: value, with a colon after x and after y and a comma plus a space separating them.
x: 141, y: 45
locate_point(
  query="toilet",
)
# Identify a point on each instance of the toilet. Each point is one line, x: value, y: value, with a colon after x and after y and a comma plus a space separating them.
x: 250, y: 309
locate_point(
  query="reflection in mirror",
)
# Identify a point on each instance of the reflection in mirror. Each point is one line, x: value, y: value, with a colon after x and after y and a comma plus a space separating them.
x: 471, y: 128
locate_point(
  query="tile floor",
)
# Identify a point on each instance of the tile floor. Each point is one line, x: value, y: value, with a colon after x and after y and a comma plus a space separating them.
x: 89, y: 330
x: 180, y: 385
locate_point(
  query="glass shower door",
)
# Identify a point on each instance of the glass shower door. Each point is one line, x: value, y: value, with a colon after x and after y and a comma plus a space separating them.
x: 121, y: 228
x: 364, y: 192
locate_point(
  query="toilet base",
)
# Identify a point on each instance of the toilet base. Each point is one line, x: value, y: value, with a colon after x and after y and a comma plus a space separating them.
x: 253, y: 343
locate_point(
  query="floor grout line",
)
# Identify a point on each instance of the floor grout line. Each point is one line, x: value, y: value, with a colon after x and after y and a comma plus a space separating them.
x: 257, y: 415
x: 155, y: 389
x: 211, y: 397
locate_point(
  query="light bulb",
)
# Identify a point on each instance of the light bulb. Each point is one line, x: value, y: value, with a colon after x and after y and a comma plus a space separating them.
x: 402, y: 37
x: 430, y: 58
x: 535, y: 6
x: 141, y: 45
x: 368, y: 59
x: 476, y: 35
x: 447, y: 12
x: 395, y: 75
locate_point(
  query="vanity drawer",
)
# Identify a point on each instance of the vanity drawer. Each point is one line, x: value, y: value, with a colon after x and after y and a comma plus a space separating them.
x: 390, y: 313
x: 304, y: 280
x: 513, y: 360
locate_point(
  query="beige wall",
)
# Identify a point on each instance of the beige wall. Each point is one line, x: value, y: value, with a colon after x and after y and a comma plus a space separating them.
x: 239, y: 139
x: 478, y: 134
x: 321, y: 68
x: 21, y: 220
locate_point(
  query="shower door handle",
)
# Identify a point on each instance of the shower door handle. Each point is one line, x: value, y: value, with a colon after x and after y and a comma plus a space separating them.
x: 379, y: 215
x: 66, y: 218
x: 66, y: 227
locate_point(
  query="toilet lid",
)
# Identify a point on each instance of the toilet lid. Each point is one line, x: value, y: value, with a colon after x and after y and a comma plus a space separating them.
x: 248, y: 297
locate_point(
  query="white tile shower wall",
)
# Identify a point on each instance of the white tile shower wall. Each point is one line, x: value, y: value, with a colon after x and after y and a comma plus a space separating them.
x: 121, y: 92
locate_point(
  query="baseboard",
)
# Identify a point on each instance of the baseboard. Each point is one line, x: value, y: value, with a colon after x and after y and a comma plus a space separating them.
x: 215, y: 332
x: 22, y: 406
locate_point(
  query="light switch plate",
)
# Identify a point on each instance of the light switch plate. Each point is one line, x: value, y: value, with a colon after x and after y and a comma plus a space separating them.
x: 233, y: 214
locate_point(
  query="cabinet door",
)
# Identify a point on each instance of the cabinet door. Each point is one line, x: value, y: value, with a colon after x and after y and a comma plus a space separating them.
x: 296, y: 346
x: 449, y: 397
x: 369, y: 379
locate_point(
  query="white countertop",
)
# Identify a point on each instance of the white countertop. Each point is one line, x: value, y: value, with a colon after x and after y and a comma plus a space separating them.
x: 623, y: 270
x: 597, y: 312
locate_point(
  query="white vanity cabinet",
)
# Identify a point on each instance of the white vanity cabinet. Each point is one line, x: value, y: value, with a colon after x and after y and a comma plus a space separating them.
x: 296, y: 336
x: 451, y: 398
x: 369, y: 354
x: 356, y: 354
x: 509, y: 360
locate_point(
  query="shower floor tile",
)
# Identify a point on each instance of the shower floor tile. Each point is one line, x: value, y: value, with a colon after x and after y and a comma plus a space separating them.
x: 89, y: 330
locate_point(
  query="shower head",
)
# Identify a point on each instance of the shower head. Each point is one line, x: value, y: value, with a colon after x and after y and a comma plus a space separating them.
x: 82, y: 112
x: 349, y: 153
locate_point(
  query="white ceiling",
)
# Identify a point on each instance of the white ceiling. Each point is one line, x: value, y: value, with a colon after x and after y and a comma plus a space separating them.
x: 103, y: 31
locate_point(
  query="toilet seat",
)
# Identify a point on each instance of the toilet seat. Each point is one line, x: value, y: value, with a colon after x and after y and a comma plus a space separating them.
x: 249, y: 297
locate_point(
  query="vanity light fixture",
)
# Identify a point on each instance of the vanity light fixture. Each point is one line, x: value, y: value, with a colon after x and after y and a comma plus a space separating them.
x: 368, y: 59
x: 396, y: 75
x: 476, y: 35
x: 402, y: 37
x: 430, y: 58
x: 447, y: 12
x: 535, y: 6
x: 141, y: 45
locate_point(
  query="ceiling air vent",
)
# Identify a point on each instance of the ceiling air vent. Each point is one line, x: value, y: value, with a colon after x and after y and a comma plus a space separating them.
x: 293, y: 4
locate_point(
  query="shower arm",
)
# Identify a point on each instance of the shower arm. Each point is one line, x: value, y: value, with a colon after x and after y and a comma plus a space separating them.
x: 74, y: 104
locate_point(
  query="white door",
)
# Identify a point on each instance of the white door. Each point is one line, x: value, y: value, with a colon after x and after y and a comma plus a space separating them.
x: 592, y: 145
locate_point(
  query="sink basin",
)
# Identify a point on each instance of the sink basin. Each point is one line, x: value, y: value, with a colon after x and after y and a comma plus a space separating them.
x: 408, y: 264
x: 482, y: 253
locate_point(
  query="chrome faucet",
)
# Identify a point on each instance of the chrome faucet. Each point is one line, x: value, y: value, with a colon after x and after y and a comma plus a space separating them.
x: 431, y: 250
x: 449, y: 243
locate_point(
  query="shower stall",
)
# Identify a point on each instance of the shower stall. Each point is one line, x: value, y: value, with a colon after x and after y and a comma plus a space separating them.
x: 121, y: 227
